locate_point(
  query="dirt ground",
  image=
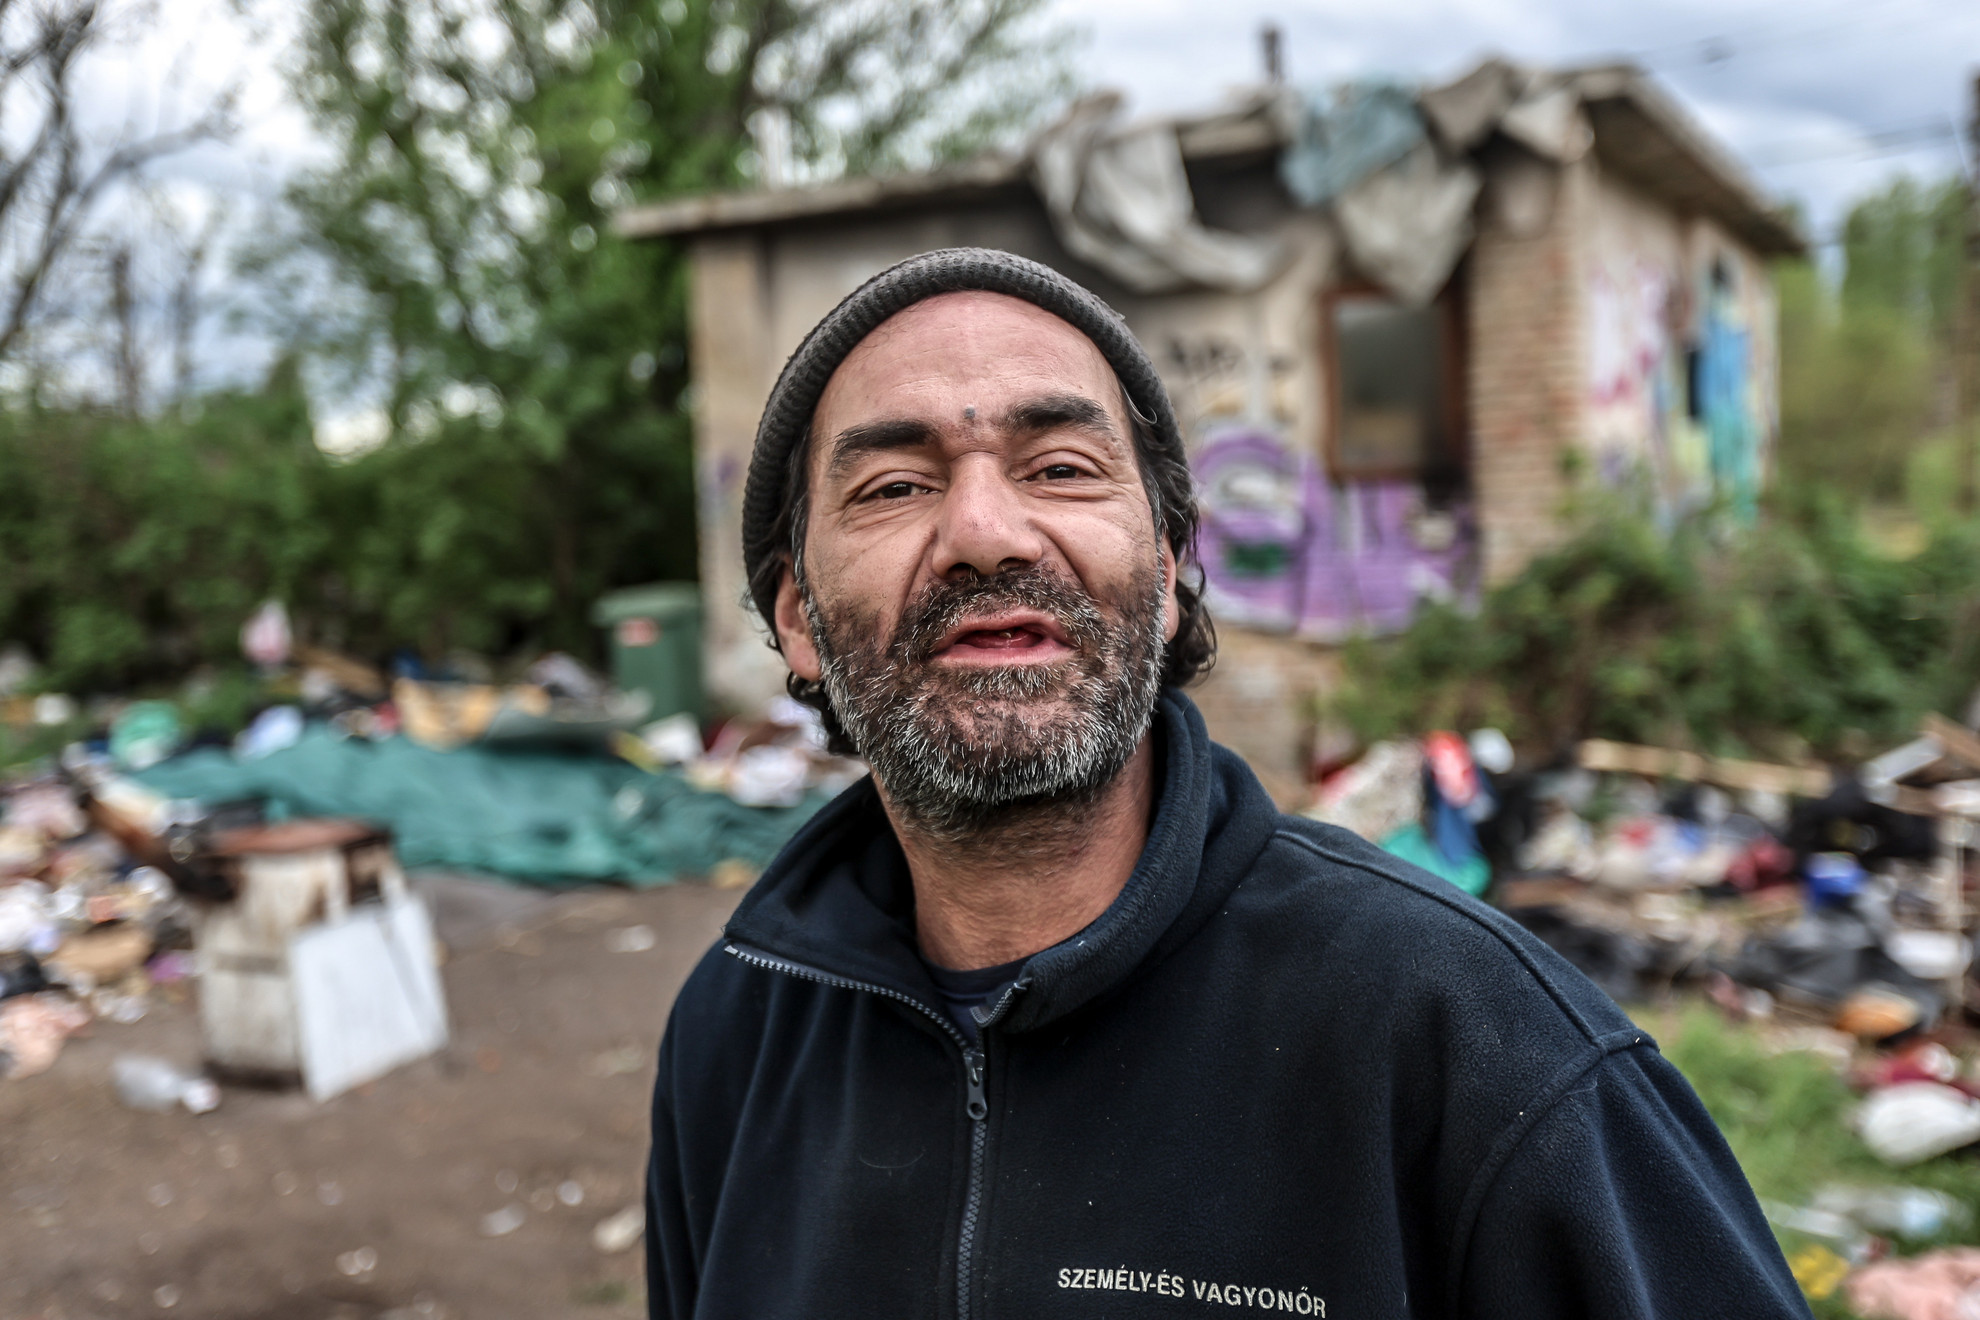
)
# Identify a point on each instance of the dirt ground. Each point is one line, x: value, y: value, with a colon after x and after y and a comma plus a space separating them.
x: 372, y: 1206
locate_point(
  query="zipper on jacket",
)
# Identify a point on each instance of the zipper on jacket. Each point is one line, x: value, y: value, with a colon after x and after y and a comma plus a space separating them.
x: 977, y: 1106
x: 976, y: 1096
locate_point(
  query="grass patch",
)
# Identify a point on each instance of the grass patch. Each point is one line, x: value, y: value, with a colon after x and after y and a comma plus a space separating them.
x: 1786, y: 1118
x: 604, y: 1292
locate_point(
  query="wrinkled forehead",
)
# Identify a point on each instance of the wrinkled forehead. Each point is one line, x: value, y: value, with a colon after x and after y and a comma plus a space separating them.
x: 973, y: 349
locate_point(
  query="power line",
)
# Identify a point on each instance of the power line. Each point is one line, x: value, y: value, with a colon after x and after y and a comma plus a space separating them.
x: 1870, y: 144
x: 1719, y: 49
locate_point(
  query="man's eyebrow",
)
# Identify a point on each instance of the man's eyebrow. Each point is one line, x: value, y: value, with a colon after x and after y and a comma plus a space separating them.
x: 853, y: 443
x: 1052, y: 411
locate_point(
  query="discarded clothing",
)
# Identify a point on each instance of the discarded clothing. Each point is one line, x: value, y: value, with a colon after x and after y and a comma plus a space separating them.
x: 33, y: 1029
x: 1377, y: 795
x: 1471, y: 873
x: 1847, y: 820
x: 541, y: 816
x: 1939, y: 1285
x: 1825, y: 957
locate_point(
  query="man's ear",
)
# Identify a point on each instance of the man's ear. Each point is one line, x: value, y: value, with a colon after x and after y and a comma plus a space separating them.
x: 1171, y: 607
x: 794, y: 630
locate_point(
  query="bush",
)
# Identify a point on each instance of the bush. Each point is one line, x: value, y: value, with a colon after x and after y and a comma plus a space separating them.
x: 135, y: 549
x: 1784, y: 639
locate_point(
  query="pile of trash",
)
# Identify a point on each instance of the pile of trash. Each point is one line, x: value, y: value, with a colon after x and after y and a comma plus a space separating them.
x: 1847, y: 1235
x: 1424, y: 801
x: 1831, y: 907
x: 1840, y: 893
x: 88, y: 929
x: 556, y: 777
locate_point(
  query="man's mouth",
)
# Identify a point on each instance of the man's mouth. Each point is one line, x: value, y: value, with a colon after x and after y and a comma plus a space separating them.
x: 1020, y: 637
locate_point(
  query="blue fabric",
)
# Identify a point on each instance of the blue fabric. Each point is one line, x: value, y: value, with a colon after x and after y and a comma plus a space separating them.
x: 1347, y: 134
x: 1471, y: 874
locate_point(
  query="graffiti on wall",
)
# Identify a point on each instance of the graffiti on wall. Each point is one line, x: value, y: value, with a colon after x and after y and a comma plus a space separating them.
x: 1678, y: 400
x: 1286, y: 549
x: 1728, y: 392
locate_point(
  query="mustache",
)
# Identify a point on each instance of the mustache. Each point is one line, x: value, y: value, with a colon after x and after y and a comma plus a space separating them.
x: 941, y: 605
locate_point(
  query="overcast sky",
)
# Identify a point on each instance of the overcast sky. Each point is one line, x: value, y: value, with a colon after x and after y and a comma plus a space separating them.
x: 1802, y: 91
x: 1809, y: 92
x: 1823, y: 99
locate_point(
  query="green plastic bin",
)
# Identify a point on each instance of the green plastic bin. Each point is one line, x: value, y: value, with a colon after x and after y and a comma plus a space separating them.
x: 656, y: 643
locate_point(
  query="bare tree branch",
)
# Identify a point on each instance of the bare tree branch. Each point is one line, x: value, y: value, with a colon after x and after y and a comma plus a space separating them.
x: 51, y: 192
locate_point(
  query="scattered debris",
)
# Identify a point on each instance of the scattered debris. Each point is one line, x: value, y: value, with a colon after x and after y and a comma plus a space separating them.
x: 620, y: 1232
x: 1913, y: 1121
x: 631, y: 939
x: 1938, y: 1285
x: 272, y: 730
x: 33, y: 1029
x: 1648, y: 867
x: 144, y: 734
x: 363, y: 1260
x: 1818, y: 1270
x: 501, y: 1223
x: 543, y: 814
x: 267, y: 638
x: 144, y: 1082
x: 1907, y: 1212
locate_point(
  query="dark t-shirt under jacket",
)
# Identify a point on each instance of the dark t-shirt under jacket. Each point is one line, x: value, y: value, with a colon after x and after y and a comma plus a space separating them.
x: 1282, y: 1072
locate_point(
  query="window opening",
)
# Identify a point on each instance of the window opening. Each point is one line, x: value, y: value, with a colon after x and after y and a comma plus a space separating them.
x: 1394, y: 386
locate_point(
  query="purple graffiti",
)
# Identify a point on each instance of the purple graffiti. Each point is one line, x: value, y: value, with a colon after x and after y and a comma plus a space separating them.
x: 1285, y: 549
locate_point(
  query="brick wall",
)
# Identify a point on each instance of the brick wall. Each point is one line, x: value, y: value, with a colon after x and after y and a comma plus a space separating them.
x: 1258, y: 699
x: 1527, y: 394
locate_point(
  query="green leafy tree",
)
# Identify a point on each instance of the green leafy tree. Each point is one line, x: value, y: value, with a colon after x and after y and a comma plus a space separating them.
x: 453, y: 263
x: 135, y: 548
x: 1865, y: 366
x: 530, y: 366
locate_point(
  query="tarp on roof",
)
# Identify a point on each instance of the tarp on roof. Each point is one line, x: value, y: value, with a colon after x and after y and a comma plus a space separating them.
x: 1119, y: 197
x: 539, y: 816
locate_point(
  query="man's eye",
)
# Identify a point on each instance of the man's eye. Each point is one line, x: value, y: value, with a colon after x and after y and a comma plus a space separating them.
x: 1059, y: 472
x: 895, y: 490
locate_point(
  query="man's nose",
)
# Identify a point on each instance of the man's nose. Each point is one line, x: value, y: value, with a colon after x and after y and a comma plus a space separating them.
x: 986, y: 525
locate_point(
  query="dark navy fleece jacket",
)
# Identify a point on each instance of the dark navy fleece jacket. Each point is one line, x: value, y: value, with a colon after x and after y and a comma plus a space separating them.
x: 1282, y: 1072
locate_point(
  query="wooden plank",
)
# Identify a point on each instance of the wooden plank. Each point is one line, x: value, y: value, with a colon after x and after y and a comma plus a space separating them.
x: 1960, y: 742
x: 1691, y: 767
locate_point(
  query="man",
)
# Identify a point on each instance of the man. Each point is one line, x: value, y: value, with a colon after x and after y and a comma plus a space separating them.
x: 1056, y: 1014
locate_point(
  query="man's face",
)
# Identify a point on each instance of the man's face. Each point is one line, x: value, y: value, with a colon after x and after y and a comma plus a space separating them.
x: 984, y: 594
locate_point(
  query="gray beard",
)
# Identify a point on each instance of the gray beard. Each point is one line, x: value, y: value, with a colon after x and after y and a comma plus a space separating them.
x: 957, y: 749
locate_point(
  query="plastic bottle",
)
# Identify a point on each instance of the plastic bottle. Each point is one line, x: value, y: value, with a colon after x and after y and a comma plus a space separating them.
x: 1909, y: 1212
x: 145, y: 1082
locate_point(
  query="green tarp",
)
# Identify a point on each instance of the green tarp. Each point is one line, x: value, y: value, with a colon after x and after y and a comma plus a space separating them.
x: 1412, y: 845
x: 546, y: 817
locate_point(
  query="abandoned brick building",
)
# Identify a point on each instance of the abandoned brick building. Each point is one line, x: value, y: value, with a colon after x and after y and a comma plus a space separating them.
x: 1400, y: 327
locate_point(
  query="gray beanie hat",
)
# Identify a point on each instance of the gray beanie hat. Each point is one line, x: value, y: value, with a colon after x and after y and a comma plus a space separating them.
x: 775, y: 479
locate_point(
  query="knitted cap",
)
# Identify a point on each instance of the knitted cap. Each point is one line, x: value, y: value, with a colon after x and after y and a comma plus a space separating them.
x: 787, y: 414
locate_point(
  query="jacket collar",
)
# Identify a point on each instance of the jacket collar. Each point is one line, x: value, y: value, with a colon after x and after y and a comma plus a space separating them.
x: 838, y: 899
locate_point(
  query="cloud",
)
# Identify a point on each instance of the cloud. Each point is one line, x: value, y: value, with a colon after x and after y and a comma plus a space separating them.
x: 1797, y: 90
